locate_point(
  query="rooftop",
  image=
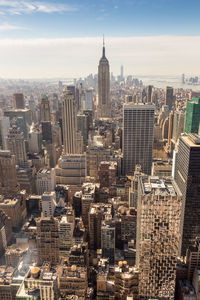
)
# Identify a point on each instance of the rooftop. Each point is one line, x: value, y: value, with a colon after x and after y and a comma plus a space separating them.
x: 157, y: 186
x: 193, y: 140
x: 101, y: 207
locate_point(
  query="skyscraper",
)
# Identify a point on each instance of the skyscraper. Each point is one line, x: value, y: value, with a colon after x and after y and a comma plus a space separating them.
x: 158, y: 234
x: 45, y: 109
x: 18, y: 101
x: 16, y: 144
x: 104, y: 105
x: 71, y: 167
x: 69, y: 122
x: 138, y: 124
x: 192, y: 121
x: 4, y: 127
x: 122, y: 72
x: 8, y: 175
x: 149, y: 93
x: 187, y: 177
x: 169, y: 98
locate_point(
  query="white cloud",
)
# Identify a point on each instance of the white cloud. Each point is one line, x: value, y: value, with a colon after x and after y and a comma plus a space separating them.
x: 19, y: 7
x: 8, y: 27
x: 75, y: 57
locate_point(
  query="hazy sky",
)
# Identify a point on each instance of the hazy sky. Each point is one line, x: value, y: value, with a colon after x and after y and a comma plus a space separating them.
x: 64, y: 38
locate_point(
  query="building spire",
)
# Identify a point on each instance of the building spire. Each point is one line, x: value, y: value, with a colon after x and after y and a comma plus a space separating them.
x: 103, y: 47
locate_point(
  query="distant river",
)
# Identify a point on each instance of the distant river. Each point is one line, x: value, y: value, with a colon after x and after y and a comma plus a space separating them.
x: 163, y: 81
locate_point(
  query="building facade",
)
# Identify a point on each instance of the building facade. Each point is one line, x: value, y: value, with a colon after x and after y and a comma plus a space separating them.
x: 138, y: 124
x: 158, y: 235
x: 187, y: 176
x: 104, y: 106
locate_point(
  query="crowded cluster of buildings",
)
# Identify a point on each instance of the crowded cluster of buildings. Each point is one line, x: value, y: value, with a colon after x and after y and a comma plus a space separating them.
x: 100, y: 191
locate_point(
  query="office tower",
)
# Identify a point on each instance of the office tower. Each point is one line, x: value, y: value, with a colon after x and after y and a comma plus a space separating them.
x: 47, y: 132
x: 108, y: 240
x: 86, y: 201
x: 144, y: 96
x: 45, y: 109
x: 71, y: 168
x: 104, y: 106
x: 178, y: 125
x: 45, y: 181
x: 89, y: 99
x: 48, y: 204
x: 82, y: 96
x: 138, y: 123
x: 169, y: 98
x: 83, y: 127
x: 170, y: 131
x: 122, y: 72
x: 187, y: 177
x: 18, y: 101
x: 46, y: 120
x: 4, y: 127
x: 55, y: 102
x: 66, y: 229
x: 149, y: 94
x: 158, y: 235
x: 76, y: 204
x: 192, y: 118
x: 47, y: 240
x: 22, y: 117
x: 69, y: 123
x: 75, y: 92
x: 26, y: 177
x: 8, y: 175
x: 16, y: 144
x: 35, y: 140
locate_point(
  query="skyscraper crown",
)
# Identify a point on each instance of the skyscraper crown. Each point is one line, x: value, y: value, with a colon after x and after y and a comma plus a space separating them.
x: 103, y: 58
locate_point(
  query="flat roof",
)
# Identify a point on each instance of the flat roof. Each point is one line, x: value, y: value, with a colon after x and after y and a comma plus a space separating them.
x: 157, y: 186
x: 193, y: 140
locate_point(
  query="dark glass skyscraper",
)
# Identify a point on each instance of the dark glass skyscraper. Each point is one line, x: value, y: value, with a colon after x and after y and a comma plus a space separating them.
x: 187, y: 177
x: 138, y: 122
x: 192, y: 120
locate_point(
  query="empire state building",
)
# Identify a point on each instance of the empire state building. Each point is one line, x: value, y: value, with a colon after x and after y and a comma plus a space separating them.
x: 104, y: 107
